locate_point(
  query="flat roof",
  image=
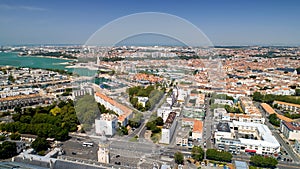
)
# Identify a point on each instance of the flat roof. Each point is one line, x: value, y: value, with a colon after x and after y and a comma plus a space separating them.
x: 169, y: 120
x: 224, y: 127
x: 268, y: 140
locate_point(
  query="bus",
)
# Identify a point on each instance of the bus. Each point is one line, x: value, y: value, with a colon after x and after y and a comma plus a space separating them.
x: 87, y: 144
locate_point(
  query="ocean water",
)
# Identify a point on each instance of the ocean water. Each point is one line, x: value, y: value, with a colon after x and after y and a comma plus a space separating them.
x: 12, y: 59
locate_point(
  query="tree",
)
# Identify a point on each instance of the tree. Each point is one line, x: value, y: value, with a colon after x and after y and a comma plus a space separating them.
x: 265, y: 162
x: 274, y: 120
x: 297, y: 90
x: 2, y: 138
x: 11, y: 78
x: 40, y: 144
x: 197, y: 153
x: 18, y: 109
x: 159, y: 121
x: 213, y: 154
x: 8, y: 149
x: 179, y: 159
x: 55, y: 111
x: 15, y: 136
x: 298, y: 70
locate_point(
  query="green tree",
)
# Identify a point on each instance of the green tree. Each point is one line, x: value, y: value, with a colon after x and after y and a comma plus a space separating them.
x: 179, y: 159
x: 18, y: 109
x: 11, y: 78
x: 213, y: 154
x: 2, y: 138
x: 8, y: 149
x: 297, y: 91
x: 159, y: 121
x: 274, y: 120
x: 197, y: 153
x: 15, y: 136
x: 40, y: 144
x: 55, y: 111
x: 265, y: 162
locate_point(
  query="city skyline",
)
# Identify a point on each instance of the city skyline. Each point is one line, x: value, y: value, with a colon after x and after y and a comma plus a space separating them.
x: 224, y: 23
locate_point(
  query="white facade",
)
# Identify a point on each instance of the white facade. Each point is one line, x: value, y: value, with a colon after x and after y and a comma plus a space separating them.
x: 223, y: 102
x: 290, y: 130
x: 262, y: 143
x: 168, y: 129
x: 164, y: 112
x: 142, y: 100
x: 107, y: 124
x: 297, y: 146
x: 103, y: 154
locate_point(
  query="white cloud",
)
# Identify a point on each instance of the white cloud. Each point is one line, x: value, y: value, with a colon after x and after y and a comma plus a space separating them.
x: 20, y: 7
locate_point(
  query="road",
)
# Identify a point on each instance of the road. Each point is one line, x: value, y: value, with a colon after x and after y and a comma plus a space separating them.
x: 208, y: 125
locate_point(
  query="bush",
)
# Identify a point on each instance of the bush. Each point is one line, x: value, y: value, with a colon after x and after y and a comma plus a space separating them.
x: 266, y: 162
x: 213, y: 154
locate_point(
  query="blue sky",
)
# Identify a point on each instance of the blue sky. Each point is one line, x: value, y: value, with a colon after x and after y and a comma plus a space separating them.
x: 225, y: 22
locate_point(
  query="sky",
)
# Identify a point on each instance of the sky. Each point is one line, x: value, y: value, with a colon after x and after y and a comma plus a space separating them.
x: 224, y: 22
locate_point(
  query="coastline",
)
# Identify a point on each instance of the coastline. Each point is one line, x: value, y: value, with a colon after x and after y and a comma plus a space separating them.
x: 51, y: 57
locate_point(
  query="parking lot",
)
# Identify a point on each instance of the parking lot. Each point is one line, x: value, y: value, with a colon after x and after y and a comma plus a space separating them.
x: 74, y: 148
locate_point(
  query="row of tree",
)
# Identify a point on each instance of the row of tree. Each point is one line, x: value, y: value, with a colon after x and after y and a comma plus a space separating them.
x: 274, y: 120
x: 269, y: 98
x: 265, y: 162
x: 198, y: 155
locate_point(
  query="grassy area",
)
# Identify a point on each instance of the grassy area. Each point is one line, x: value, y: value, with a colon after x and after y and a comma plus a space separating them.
x: 134, y: 139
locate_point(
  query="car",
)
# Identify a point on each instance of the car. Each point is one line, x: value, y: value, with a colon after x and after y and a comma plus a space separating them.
x: 117, y: 156
x: 74, y: 153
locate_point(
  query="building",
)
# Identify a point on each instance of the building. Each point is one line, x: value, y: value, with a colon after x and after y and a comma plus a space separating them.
x: 241, y: 165
x: 103, y: 153
x: 268, y: 109
x: 85, y: 90
x: 295, y: 108
x: 221, y: 113
x: 124, y: 112
x: 290, y: 130
x: 107, y: 124
x: 168, y: 129
x: 297, y: 146
x: 197, y: 130
x: 223, y: 102
x: 237, y: 137
x: 143, y: 100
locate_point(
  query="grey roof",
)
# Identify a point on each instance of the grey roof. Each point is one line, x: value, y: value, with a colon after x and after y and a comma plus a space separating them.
x: 241, y: 165
x: 59, y: 164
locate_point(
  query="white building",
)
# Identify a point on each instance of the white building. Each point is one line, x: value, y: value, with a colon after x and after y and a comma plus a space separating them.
x: 290, y: 130
x: 168, y: 129
x: 246, y: 137
x: 107, y: 124
x: 124, y: 112
x: 142, y: 100
x: 223, y: 102
x: 103, y: 153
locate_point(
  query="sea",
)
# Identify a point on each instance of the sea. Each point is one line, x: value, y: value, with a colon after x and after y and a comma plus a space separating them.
x: 13, y: 59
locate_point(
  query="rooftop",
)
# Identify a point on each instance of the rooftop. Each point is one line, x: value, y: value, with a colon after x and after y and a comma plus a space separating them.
x: 292, y: 125
x: 169, y: 120
x: 224, y: 127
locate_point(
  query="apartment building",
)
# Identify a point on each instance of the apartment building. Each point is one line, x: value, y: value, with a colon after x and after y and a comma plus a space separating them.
x: 107, y: 124
x: 290, y: 130
x: 239, y: 137
x: 168, y: 129
x: 124, y: 112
